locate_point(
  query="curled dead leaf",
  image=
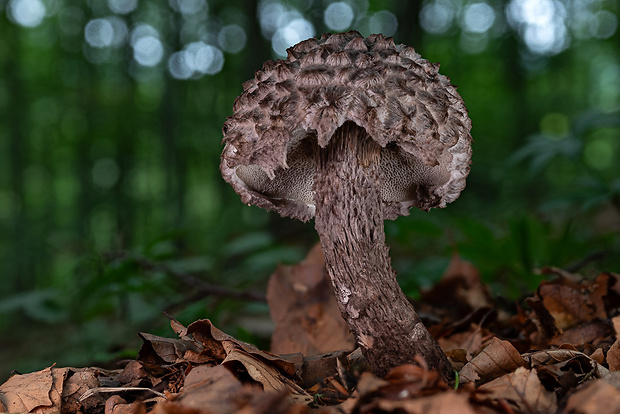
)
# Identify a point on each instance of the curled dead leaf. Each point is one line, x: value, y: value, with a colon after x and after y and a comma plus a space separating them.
x: 497, y: 358
x: 522, y: 390
x: 264, y: 373
x: 562, y: 369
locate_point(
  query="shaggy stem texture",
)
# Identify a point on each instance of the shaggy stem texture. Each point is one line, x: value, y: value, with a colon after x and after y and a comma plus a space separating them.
x: 349, y: 222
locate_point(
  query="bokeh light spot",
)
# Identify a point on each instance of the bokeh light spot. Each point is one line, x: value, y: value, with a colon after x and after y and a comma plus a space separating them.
x: 291, y: 34
x: 606, y: 24
x: 541, y: 23
x: 474, y: 43
x: 122, y: 6
x: 27, y: 13
x: 142, y: 30
x: 99, y: 33
x: 383, y: 22
x: 270, y: 14
x: 555, y: 125
x: 105, y: 173
x: 148, y: 51
x: 203, y: 58
x: 478, y: 17
x: 178, y: 67
x: 188, y: 7
x: 197, y: 59
x: 599, y: 153
x: 232, y: 38
x: 338, y: 16
x: 437, y: 17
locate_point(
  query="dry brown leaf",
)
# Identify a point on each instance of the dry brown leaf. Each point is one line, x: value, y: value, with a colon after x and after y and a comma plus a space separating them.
x: 318, y: 367
x: 597, y: 397
x: 35, y: 392
x: 590, y: 332
x: 78, y: 382
x: 613, y: 357
x: 209, y: 341
x: 470, y: 341
x: 497, y: 358
x: 304, y: 308
x: 206, y: 339
x: 448, y: 402
x: 271, y: 403
x: 157, y: 350
x: 571, y: 303
x: 267, y: 375
x: 598, y: 355
x: 613, y: 354
x: 132, y: 374
x: 210, y: 389
x: 407, y: 389
x: 117, y: 405
x: 460, y: 287
x: 562, y: 369
x: 522, y: 390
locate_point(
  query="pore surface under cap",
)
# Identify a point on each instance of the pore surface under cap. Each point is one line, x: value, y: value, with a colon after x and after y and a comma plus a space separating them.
x: 401, y: 101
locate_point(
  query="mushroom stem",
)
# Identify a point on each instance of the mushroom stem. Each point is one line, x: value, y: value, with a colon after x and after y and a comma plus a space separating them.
x: 349, y: 221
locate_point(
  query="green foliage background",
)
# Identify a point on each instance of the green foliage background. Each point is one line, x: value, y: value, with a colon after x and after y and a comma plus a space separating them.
x: 112, y: 208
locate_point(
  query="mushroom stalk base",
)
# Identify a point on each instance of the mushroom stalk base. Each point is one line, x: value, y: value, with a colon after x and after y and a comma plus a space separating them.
x: 349, y: 222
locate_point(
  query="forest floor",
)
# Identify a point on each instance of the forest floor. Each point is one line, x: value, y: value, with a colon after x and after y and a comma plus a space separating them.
x: 556, y: 352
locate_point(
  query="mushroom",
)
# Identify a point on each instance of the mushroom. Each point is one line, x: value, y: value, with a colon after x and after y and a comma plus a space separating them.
x: 352, y: 131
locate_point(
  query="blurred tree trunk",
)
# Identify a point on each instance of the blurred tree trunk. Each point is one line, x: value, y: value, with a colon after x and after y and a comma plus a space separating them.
x: 411, y: 33
x: 16, y: 120
x: 127, y: 127
x: 173, y: 107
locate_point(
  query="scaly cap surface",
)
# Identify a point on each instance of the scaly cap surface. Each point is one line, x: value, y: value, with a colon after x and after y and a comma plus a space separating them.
x: 400, y: 99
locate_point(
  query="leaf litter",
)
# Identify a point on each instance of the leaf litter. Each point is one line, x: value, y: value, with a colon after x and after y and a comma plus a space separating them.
x: 557, y: 353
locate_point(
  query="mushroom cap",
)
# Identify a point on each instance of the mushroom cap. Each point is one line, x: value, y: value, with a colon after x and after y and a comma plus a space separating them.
x: 291, y: 106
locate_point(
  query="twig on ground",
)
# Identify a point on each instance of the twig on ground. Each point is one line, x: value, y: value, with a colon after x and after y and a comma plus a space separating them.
x: 592, y: 257
x: 205, y: 288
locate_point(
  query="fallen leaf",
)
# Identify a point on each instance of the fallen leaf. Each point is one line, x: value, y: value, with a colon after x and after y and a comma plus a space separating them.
x: 470, y: 340
x: 613, y: 354
x: 596, y: 397
x: 133, y: 374
x: 522, y: 390
x: 117, y: 405
x: 77, y: 383
x: 598, y: 355
x: 269, y: 403
x: 589, y: 332
x: 210, y: 342
x: 613, y: 357
x: 369, y: 383
x: 157, y: 350
x: 303, y: 306
x: 570, y: 302
x: 460, y: 287
x: 267, y: 375
x: 448, y: 402
x: 318, y: 367
x: 211, y: 389
x: 562, y: 369
x: 497, y: 358
x: 38, y: 391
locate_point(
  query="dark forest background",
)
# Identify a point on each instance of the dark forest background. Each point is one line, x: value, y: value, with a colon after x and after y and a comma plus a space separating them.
x: 112, y: 208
